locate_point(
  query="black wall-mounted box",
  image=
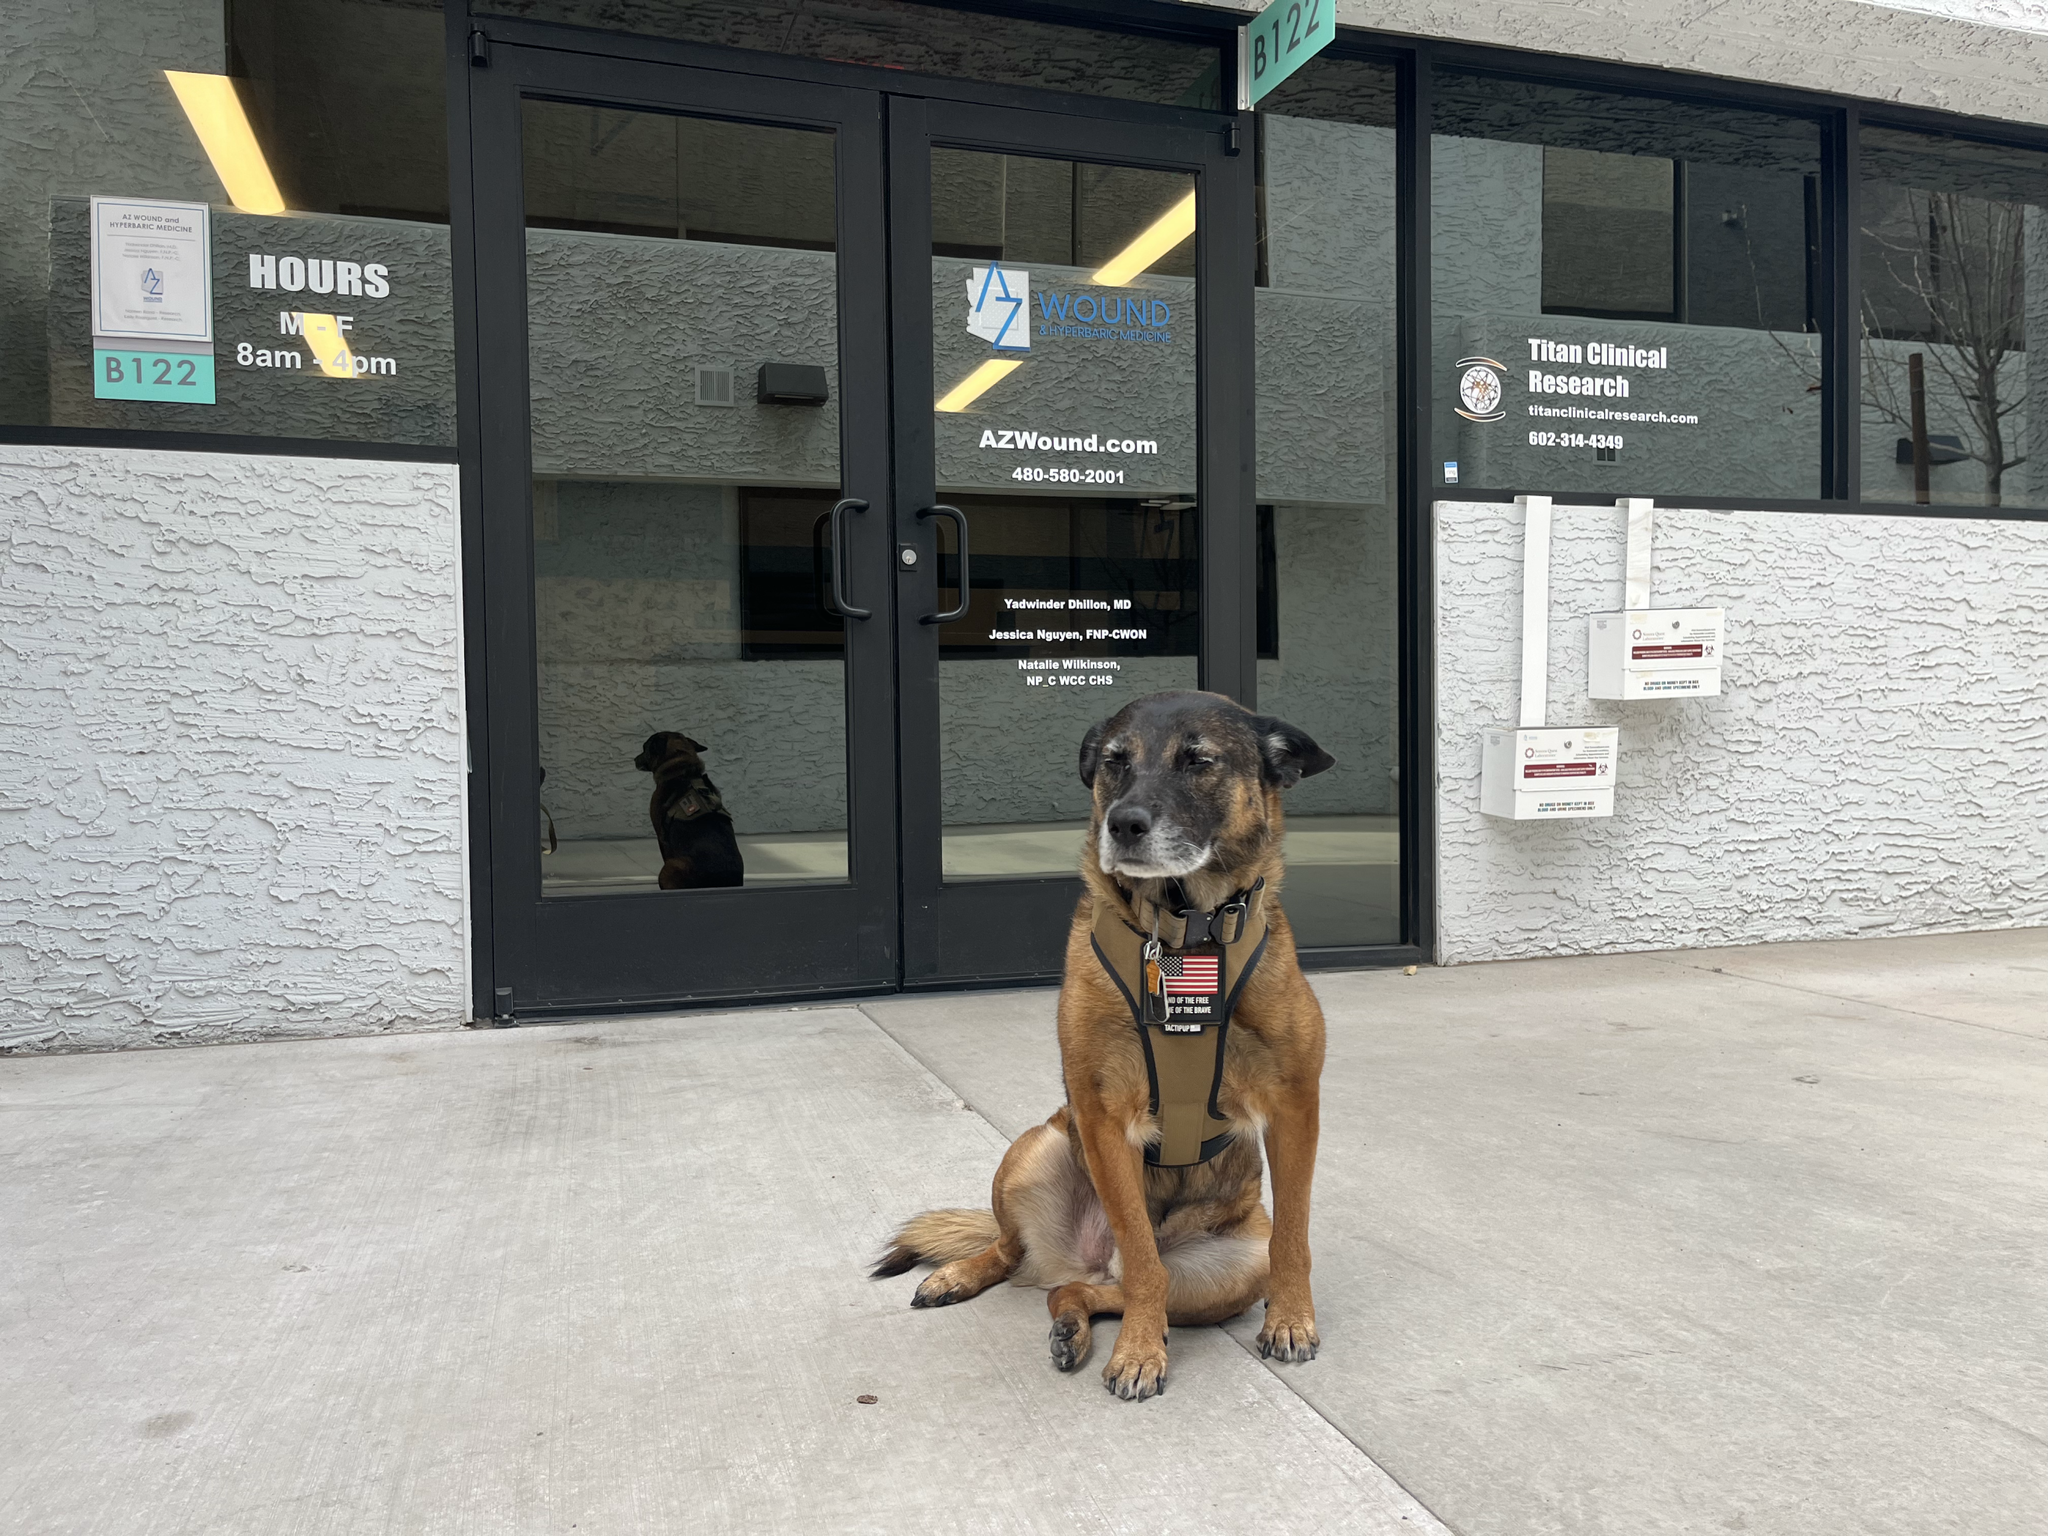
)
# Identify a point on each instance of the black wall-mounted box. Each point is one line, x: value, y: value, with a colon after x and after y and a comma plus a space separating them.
x: 791, y: 384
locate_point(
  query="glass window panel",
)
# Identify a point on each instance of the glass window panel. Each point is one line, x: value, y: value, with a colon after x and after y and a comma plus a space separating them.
x: 1954, y: 264
x: 691, y: 680
x: 1609, y: 223
x: 1011, y: 50
x: 1073, y: 458
x: 331, y: 161
x: 1329, y: 640
x: 1625, y: 293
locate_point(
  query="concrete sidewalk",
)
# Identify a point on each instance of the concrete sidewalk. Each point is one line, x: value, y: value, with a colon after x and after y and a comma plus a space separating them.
x: 1746, y: 1240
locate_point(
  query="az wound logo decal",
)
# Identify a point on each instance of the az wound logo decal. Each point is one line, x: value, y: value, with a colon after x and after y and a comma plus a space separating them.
x: 996, y: 297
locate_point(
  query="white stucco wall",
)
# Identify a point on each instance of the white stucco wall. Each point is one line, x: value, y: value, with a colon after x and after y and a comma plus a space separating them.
x: 1877, y: 762
x: 231, y: 762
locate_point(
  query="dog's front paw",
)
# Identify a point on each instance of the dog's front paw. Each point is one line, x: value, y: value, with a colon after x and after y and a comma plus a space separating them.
x: 1136, y: 1370
x: 944, y: 1286
x: 1289, y: 1334
x: 1071, y: 1336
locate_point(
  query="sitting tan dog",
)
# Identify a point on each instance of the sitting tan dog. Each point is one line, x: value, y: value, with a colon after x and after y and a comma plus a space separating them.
x: 1187, y: 1033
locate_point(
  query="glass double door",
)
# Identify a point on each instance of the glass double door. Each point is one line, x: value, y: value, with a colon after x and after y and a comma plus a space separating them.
x: 842, y: 460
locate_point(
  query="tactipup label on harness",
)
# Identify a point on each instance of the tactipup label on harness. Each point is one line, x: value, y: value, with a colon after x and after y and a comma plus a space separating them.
x: 1191, y: 981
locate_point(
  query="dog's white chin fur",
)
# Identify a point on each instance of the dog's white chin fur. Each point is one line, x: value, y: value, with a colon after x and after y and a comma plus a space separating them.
x: 1134, y: 869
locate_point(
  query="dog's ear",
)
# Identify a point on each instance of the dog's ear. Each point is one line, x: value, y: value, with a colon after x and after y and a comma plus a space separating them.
x: 1091, y: 752
x: 1289, y: 754
x: 694, y: 746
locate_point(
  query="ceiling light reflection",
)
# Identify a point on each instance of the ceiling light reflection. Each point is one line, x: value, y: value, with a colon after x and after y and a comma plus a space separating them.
x: 1166, y: 232
x: 215, y: 112
x: 978, y: 383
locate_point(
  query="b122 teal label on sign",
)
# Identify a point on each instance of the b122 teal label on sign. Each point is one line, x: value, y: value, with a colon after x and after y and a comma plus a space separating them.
x: 185, y: 377
x: 1287, y: 34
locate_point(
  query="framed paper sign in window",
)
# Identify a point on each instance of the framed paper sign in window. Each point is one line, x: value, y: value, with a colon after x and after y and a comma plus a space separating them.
x: 152, y: 301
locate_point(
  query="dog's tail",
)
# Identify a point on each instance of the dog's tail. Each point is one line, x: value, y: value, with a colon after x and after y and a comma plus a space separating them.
x: 937, y: 1236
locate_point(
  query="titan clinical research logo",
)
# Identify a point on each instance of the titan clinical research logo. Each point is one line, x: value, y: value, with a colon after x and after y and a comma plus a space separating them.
x: 1479, y: 389
x: 996, y: 297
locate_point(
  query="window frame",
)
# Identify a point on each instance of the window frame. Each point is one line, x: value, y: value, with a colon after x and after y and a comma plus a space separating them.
x: 1841, y: 120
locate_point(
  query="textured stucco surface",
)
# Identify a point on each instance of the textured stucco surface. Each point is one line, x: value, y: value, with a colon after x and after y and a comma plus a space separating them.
x: 1876, y: 763
x: 231, y: 764
x: 617, y: 326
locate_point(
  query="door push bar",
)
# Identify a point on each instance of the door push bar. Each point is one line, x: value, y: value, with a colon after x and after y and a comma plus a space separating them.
x: 839, y: 582
x: 959, y: 526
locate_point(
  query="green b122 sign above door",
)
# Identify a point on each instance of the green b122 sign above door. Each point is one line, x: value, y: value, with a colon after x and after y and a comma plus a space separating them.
x: 1287, y: 34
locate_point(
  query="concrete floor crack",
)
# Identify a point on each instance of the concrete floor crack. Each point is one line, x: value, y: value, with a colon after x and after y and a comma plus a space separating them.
x: 1856, y: 1002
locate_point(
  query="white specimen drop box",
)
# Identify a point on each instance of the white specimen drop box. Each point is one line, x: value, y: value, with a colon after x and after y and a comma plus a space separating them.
x: 1549, y: 773
x: 1654, y: 653
x: 1536, y: 772
x: 1642, y: 652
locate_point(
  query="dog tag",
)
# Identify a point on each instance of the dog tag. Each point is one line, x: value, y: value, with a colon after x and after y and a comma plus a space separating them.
x: 1153, y: 1008
x: 1192, y: 980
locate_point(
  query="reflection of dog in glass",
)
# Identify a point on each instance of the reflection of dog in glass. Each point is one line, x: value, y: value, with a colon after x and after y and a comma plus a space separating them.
x: 690, y: 819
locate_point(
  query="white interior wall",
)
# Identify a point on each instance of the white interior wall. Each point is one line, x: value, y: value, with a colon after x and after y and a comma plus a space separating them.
x: 1876, y: 763
x: 231, y: 762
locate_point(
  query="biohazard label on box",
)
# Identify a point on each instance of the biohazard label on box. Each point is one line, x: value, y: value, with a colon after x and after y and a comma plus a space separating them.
x: 1645, y: 653
x: 1553, y: 772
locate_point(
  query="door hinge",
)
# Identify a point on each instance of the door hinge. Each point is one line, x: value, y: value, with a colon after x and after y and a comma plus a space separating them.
x: 479, y: 50
x: 1230, y: 142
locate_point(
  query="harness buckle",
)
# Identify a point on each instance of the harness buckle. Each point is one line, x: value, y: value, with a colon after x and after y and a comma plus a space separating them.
x: 1238, y: 910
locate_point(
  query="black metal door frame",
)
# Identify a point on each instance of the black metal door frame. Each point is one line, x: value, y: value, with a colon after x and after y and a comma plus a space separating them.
x: 896, y: 925
x: 997, y: 930
x: 602, y: 952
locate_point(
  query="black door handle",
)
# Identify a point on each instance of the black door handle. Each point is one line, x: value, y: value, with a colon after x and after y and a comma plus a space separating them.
x: 839, y: 583
x: 959, y: 526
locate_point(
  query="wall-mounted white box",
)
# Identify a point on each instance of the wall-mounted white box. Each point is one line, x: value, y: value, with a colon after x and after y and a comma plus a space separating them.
x: 1549, y: 773
x: 1654, y: 653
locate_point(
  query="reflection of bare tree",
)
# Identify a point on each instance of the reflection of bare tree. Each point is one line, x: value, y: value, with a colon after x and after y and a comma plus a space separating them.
x: 1956, y: 269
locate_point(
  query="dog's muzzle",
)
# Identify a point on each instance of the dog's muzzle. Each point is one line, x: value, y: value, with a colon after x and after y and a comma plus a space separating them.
x: 1138, y: 843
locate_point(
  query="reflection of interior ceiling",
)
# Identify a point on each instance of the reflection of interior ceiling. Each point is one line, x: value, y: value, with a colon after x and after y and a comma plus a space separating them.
x: 1336, y: 91
x: 896, y: 35
x: 1470, y: 106
x: 1945, y: 163
x: 347, y: 101
x: 692, y: 178
x: 1051, y: 212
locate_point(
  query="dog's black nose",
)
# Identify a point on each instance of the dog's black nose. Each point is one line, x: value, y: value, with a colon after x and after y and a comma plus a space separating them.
x: 1129, y: 823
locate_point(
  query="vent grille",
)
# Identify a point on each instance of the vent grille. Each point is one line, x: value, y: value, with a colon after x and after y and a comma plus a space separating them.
x: 714, y: 386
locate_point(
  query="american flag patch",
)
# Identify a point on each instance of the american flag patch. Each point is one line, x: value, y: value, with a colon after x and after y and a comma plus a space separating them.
x: 1187, y: 975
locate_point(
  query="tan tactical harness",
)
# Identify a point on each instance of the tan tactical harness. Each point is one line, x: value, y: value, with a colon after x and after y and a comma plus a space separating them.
x: 1183, y: 1058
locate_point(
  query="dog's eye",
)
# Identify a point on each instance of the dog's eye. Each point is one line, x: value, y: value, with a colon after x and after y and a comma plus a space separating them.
x: 1197, y: 761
